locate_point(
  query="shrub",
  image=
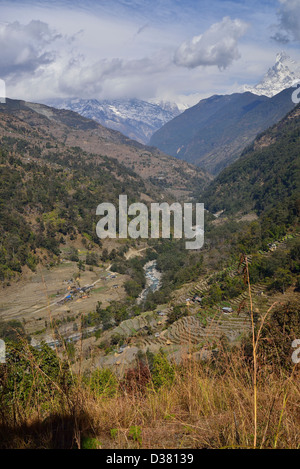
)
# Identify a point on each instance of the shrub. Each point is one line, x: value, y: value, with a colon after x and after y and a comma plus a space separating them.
x: 162, y: 373
x: 103, y: 383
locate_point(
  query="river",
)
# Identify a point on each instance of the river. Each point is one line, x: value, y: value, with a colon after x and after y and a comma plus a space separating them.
x: 153, y: 280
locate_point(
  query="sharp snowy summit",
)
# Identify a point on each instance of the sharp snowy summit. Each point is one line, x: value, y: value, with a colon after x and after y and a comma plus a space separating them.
x: 284, y: 74
x: 135, y: 118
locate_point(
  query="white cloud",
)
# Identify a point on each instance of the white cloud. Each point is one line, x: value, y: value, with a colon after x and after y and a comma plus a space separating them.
x: 24, y: 47
x: 289, y: 21
x: 111, y: 78
x: 217, y: 46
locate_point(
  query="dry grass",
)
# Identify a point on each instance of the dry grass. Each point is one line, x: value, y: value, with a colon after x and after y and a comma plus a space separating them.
x: 204, y: 407
x: 204, y: 411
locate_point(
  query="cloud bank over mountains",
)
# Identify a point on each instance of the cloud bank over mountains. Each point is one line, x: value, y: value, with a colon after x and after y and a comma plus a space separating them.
x: 182, y: 51
x: 217, y: 46
x: 35, y: 50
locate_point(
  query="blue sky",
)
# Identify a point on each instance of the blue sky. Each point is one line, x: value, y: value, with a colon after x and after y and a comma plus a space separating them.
x: 150, y: 49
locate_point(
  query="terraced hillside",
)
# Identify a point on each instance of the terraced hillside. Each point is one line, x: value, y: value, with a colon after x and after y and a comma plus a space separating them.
x: 191, y: 329
x: 201, y: 287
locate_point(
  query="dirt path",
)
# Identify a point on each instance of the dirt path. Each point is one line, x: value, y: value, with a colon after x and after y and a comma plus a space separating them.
x: 134, y: 253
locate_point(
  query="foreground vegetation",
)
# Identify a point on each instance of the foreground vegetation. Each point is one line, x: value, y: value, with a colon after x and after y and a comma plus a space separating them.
x: 243, y: 397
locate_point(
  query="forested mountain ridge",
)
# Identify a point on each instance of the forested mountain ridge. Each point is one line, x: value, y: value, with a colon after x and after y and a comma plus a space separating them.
x: 266, y: 176
x: 214, y: 132
x: 46, y: 204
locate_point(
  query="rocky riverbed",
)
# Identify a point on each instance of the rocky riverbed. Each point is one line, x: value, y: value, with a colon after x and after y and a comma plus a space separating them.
x: 153, y: 280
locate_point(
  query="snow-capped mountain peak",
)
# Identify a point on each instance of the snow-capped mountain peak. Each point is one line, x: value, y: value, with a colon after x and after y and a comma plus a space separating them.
x: 135, y: 118
x: 284, y: 74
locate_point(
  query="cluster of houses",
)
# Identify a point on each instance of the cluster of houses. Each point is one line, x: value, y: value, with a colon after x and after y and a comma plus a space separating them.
x: 109, y: 276
x: 81, y: 292
x: 195, y: 299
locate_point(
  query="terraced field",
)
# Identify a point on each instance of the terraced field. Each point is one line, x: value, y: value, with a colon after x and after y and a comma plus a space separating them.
x: 201, y: 287
x: 191, y: 330
x: 187, y: 330
x: 131, y: 327
x: 202, y: 328
x: 204, y: 285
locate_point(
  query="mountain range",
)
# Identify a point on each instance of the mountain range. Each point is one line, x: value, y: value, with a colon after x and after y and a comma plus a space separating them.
x: 210, y: 134
x: 135, y: 118
x: 71, y: 130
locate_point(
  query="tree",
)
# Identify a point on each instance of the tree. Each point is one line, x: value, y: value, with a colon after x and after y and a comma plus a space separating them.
x: 73, y: 254
x: 81, y: 266
x: 282, y: 279
x: 176, y: 313
x: 162, y: 372
x: 92, y: 259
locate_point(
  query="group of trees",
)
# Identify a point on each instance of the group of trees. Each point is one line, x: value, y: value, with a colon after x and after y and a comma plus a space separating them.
x: 110, y: 316
x: 279, y: 270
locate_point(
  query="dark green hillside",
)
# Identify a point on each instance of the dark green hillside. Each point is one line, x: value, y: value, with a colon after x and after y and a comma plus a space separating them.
x: 214, y: 132
x: 267, y: 176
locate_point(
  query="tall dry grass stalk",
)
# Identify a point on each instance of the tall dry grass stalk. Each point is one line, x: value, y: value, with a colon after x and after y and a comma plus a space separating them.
x: 255, y: 343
